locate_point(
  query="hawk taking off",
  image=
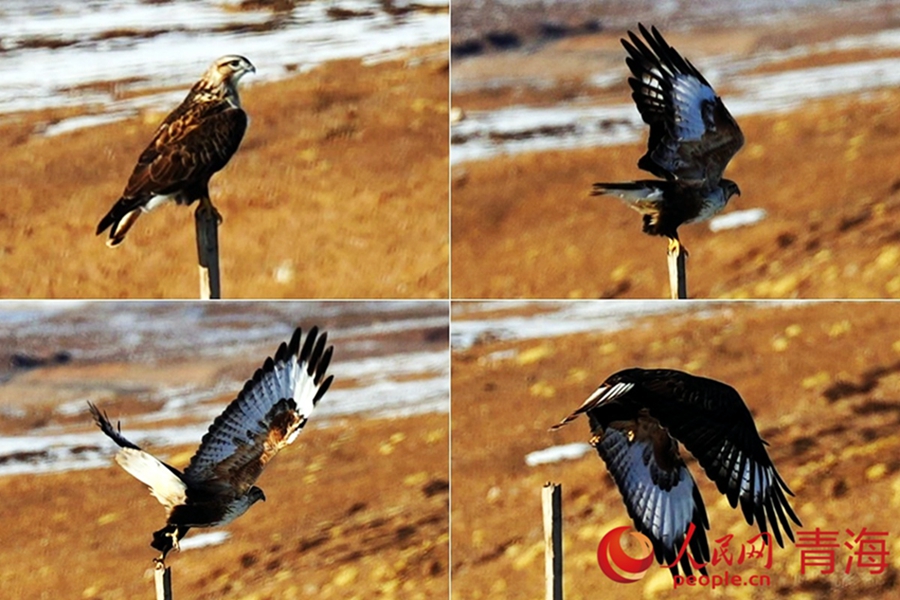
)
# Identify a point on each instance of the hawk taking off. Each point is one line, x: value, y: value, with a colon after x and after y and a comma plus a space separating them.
x: 637, y: 419
x: 195, y: 141
x: 217, y: 486
x: 692, y: 139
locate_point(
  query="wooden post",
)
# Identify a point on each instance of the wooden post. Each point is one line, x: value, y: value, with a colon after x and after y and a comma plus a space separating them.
x: 551, y: 500
x: 163, y: 578
x: 677, y: 271
x: 207, y: 223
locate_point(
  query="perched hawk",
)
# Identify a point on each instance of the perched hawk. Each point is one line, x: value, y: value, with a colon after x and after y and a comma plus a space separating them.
x: 692, y: 138
x: 195, y: 141
x: 217, y: 486
x: 637, y: 419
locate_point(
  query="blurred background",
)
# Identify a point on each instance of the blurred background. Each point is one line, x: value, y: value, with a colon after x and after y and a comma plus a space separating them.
x: 541, y: 109
x: 359, y: 501
x: 822, y: 381
x: 83, y: 86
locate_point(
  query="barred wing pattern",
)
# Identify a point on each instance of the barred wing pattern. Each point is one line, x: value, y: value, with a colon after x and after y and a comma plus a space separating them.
x: 661, y: 502
x: 638, y: 417
x: 267, y: 415
x: 692, y: 134
x: 712, y: 421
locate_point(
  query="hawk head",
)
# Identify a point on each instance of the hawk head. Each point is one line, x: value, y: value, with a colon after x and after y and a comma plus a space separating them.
x: 730, y: 188
x: 228, y: 70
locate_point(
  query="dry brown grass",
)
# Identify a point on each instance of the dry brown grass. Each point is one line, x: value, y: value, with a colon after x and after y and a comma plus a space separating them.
x: 339, y: 190
x: 826, y: 175
x: 821, y: 379
x: 359, y: 507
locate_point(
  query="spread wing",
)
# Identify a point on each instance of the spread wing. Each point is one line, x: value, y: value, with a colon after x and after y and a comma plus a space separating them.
x: 714, y: 424
x: 266, y: 416
x: 692, y: 134
x: 662, y: 500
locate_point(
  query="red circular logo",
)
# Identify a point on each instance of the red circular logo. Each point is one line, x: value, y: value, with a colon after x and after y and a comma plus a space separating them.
x: 617, y: 565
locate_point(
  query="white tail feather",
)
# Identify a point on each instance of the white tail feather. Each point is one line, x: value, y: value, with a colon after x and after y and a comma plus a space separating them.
x: 164, y: 485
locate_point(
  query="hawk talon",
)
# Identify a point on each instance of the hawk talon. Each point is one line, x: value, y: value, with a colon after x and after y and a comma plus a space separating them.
x: 175, y: 545
x: 206, y: 208
x: 676, y: 247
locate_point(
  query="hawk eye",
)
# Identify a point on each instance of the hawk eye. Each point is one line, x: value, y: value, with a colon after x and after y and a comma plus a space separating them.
x: 234, y: 63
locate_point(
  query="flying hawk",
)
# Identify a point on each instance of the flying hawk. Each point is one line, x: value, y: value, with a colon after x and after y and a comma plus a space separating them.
x: 692, y: 139
x: 637, y: 419
x: 195, y: 141
x: 217, y: 486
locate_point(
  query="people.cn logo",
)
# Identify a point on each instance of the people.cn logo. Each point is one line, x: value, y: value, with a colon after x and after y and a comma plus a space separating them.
x: 619, y: 566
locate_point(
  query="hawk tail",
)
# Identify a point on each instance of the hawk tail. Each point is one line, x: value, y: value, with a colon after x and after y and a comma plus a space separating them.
x: 114, y: 433
x: 119, y: 220
x: 648, y: 198
x: 629, y: 190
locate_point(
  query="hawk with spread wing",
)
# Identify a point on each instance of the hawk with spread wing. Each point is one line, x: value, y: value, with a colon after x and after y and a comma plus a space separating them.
x: 194, y: 142
x: 267, y: 415
x: 692, y: 139
x: 639, y: 416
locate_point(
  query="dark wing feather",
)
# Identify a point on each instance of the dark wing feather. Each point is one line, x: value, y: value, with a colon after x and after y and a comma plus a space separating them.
x: 609, y: 391
x: 256, y: 446
x: 662, y: 502
x: 692, y: 134
x: 114, y: 433
x: 267, y: 415
x: 714, y: 424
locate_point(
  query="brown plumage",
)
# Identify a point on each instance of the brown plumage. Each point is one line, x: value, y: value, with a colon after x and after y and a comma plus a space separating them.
x: 194, y: 142
x: 267, y: 415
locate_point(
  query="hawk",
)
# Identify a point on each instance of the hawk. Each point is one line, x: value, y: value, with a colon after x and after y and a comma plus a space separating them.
x: 267, y: 415
x: 194, y: 142
x: 639, y: 416
x: 692, y: 139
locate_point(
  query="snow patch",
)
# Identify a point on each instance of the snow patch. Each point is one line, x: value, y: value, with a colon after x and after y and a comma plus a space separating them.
x: 557, y: 454
x: 739, y: 218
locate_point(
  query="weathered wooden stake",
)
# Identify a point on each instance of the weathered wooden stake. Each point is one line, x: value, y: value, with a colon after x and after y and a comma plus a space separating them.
x: 207, y: 222
x: 551, y: 500
x: 163, y: 578
x: 677, y: 272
